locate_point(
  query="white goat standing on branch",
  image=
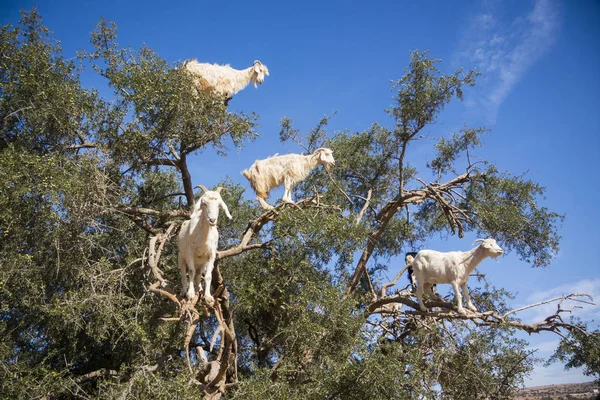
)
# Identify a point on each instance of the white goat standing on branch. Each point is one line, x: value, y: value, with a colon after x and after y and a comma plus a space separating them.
x: 223, y: 80
x: 289, y: 169
x: 198, y: 241
x: 430, y: 267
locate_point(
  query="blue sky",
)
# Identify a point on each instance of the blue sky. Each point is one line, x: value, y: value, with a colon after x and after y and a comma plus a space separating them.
x: 539, y: 95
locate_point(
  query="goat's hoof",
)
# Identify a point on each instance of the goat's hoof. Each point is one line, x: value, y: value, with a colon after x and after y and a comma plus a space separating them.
x: 462, y: 311
x: 209, y: 300
x: 424, y: 309
x: 472, y: 308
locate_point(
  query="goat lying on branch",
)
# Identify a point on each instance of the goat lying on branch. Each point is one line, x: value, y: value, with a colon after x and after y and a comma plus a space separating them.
x: 198, y: 241
x: 430, y: 267
x: 289, y: 169
x: 223, y: 80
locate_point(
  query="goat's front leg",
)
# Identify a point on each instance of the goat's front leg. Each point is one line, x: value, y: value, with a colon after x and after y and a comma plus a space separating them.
x: 191, y: 269
x: 183, y: 270
x: 470, y: 305
x: 210, y: 264
x: 458, y: 298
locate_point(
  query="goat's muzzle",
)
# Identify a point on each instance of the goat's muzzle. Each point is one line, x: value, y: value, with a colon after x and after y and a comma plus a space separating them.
x: 212, y: 221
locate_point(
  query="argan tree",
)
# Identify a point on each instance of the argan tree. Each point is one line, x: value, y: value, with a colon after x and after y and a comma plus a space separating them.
x: 94, y: 190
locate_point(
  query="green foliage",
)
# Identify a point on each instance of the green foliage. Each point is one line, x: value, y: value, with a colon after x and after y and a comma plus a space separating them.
x: 507, y: 209
x: 580, y: 349
x: 86, y: 181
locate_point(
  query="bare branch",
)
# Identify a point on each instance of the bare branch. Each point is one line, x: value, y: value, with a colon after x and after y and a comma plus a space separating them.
x: 365, y: 206
x: 561, y: 299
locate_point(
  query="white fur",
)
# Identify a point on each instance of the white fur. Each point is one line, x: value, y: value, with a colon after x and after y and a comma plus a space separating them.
x: 289, y: 169
x: 430, y: 266
x: 224, y: 80
x: 198, y: 241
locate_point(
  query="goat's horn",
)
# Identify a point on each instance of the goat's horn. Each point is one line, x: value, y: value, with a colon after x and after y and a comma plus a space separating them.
x: 204, y: 189
x: 219, y: 188
x: 478, y: 240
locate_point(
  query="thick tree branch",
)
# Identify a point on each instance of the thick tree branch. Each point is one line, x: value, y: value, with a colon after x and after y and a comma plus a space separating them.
x: 187, y: 180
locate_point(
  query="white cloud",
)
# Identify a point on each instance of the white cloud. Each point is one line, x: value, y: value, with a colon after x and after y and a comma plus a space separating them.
x: 504, y: 50
x: 589, y: 311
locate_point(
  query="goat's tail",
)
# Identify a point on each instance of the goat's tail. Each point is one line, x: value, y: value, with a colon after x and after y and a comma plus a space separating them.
x: 255, y: 182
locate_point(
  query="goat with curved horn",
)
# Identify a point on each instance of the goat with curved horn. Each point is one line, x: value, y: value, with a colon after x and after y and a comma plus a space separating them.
x: 198, y: 240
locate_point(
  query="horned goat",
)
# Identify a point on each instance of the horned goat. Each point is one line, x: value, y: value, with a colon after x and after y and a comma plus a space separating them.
x: 430, y: 267
x: 197, y: 241
x: 223, y: 80
x: 289, y: 169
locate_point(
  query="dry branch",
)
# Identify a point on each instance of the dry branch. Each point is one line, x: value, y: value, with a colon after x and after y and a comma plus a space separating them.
x: 553, y: 323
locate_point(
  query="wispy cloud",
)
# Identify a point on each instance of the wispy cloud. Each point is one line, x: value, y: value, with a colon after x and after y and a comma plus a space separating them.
x: 588, y: 311
x: 503, y: 49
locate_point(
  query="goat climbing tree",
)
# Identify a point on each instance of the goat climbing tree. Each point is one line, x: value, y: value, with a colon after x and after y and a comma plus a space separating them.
x: 95, y: 190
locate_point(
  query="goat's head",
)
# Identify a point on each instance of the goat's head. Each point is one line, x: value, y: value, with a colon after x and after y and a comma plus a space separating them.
x: 490, y: 247
x: 209, y: 204
x: 259, y: 70
x: 324, y: 156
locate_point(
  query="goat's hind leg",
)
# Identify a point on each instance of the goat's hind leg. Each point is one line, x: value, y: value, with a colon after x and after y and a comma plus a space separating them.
x: 420, y: 296
x: 184, y: 280
x: 261, y: 199
x: 287, y: 190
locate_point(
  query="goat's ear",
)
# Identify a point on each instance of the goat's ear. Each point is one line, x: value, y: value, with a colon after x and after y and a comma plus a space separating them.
x: 224, y: 207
